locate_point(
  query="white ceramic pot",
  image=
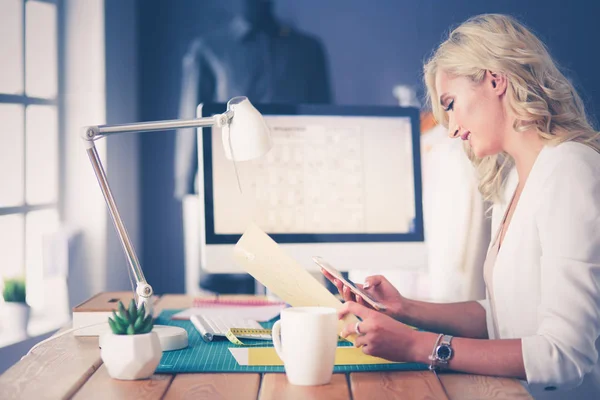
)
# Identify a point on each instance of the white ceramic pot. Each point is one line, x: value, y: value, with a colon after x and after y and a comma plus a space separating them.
x: 15, y: 317
x: 130, y: 357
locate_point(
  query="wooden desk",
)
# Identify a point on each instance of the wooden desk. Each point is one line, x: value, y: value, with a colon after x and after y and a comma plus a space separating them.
x: 70, y: 367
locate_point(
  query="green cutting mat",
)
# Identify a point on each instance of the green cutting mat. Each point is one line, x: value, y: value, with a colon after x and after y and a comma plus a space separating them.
x: 200, y: 356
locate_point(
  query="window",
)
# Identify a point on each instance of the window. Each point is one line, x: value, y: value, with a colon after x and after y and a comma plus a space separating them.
x: 29, y: 138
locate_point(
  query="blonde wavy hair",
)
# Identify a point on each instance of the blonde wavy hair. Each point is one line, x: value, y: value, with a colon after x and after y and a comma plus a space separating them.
x: 538, y: 94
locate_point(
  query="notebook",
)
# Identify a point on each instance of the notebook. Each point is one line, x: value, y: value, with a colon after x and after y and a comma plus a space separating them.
x: 211, y: 326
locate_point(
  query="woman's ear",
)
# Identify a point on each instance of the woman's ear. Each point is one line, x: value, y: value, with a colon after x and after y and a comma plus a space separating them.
x: 497, y: 81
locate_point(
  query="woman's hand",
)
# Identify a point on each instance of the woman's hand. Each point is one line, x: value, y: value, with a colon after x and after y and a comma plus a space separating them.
x: 379, y: 289
x: 378, y: 334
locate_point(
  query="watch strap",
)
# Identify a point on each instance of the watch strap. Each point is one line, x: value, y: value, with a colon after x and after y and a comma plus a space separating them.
x: 446, y: 339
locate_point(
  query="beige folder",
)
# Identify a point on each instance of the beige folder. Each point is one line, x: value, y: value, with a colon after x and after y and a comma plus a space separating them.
x: 261, y: 257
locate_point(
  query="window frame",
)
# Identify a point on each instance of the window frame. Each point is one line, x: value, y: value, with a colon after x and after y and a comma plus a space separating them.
x: 24, y: 100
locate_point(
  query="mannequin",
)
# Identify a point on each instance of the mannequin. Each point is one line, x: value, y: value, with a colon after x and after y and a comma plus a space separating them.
x: 254, y: 56
x: 259, y: 14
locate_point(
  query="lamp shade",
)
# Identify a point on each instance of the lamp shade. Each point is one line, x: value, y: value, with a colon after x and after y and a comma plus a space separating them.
x: 247, y: 135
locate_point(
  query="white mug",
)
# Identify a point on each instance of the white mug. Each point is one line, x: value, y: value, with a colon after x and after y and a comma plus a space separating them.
x: 307, y: 344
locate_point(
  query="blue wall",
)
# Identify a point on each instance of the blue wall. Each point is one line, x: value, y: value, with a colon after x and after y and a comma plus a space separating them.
x: 372, y: 46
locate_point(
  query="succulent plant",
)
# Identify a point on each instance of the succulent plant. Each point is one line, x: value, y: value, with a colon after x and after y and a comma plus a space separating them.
x: 14, y: 290
x: 132, y: 321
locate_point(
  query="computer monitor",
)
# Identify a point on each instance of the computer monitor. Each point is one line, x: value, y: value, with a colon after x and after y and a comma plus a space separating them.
x: 341, y: 182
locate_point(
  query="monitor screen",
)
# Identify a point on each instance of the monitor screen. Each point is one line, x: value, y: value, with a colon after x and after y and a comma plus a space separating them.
x: 336, y: 175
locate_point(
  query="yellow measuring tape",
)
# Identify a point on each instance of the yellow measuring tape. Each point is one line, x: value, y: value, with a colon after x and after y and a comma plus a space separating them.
x: 247, y: 333
x: 233, y: 335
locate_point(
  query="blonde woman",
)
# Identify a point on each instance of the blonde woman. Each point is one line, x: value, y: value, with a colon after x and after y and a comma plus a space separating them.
x: 494, y: 85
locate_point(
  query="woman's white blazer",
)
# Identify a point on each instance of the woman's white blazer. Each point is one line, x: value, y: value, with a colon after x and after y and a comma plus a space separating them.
x: 547, y: 274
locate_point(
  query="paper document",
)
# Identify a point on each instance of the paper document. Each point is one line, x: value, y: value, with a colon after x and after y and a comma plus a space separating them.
x: 267, y: 356
x: 262, y: 258
x: 257, y: 313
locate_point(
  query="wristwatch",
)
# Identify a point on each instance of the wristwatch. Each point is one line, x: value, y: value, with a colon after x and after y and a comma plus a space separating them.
x: 443, y: 352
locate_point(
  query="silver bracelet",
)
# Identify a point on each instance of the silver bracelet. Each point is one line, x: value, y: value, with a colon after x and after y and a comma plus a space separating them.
x: 432, y: 357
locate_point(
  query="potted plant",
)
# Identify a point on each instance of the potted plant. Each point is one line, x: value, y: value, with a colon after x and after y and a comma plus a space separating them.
x: 132, y: 350
x: 15, y: 310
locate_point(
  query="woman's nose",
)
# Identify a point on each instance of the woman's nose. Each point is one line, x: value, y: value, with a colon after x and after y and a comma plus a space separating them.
x: 453, y: 131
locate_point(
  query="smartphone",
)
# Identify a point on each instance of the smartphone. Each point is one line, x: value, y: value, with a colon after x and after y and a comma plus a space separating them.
x: 353, y: 288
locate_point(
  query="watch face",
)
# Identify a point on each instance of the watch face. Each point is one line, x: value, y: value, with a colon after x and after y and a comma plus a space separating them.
x: 444, y: 352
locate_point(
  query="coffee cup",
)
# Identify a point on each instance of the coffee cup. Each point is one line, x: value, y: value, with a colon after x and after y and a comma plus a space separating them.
x: 305, y: 339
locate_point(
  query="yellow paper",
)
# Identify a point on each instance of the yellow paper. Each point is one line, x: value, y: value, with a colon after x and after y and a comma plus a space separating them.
x: 262, y: 258
x: 267, y: 356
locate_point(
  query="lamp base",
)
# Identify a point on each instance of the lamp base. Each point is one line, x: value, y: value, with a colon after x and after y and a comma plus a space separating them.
x: 170, y: 337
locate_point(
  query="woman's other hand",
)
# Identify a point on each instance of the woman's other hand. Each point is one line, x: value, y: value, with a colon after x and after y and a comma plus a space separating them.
x: 378, y: 334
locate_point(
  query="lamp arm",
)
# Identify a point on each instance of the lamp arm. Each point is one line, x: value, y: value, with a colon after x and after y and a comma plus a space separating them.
x: 93, y: 133
x: 143, y: 289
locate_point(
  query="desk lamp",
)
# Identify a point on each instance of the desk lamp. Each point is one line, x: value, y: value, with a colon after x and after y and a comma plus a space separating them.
x: 245, y: 136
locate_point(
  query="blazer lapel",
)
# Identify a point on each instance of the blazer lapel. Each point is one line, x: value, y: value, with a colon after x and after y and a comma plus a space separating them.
x: 524, y: 206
